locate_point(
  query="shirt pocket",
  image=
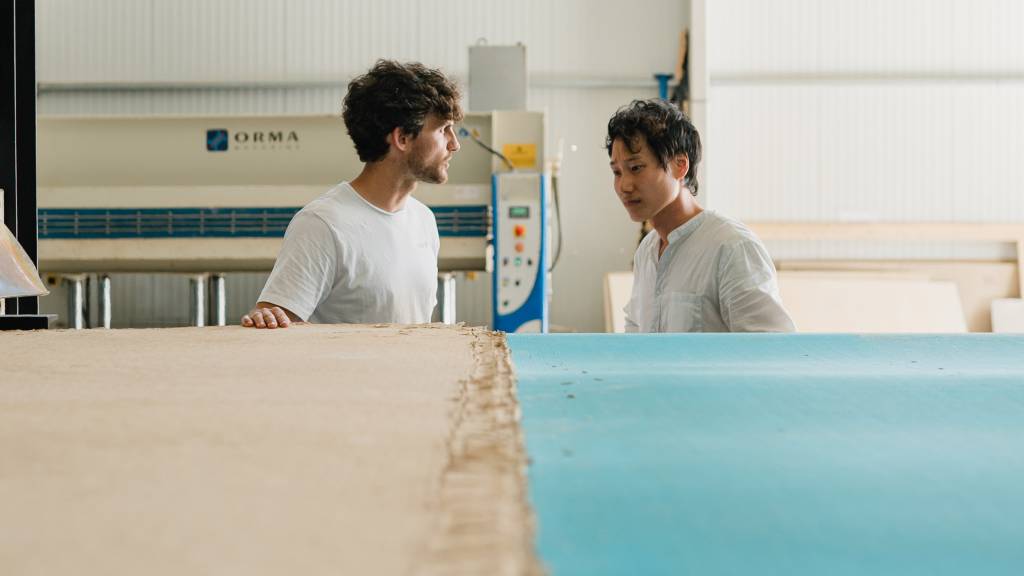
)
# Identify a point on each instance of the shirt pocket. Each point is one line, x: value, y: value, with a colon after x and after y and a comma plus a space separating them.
x: 682, y: 313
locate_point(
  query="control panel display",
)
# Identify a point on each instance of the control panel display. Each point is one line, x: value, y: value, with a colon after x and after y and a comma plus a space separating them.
x: 518, y: 211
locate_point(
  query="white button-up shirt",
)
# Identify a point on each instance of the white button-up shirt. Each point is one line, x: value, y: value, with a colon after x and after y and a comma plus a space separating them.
x: 714, y: 276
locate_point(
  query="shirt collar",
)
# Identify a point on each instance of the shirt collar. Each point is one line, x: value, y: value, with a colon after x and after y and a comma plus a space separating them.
x: 374, y: 207
x: 686, y: 229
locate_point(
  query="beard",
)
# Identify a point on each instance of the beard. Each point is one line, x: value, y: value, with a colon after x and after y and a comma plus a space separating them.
x: 427, y: 171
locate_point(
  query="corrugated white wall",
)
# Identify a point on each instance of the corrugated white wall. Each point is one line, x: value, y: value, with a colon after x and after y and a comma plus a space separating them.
x: 586, y: 58
x: 882, y: 110
x: 275, y: 40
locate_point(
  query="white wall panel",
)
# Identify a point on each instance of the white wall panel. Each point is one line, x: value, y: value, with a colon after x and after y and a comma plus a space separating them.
x: 891, y: 152
x: 191, y: 102
x: 233, y: 40
x: 94, y: 103
x: 884, y: 35
x: 76, y: 41
x: 876, y: 110
x: 766, y: 145
x: 747, y: 35
x: 865, y: 35
x: 187, y: 102
x: 986, y: 152
x: 986, y: 35
x: 884, y: 153
x: 315, y: 101
x: 221, y: 40
x: 334, y: 40
x: 599, y: 237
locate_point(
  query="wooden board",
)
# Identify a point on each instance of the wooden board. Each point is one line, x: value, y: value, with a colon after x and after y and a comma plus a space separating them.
x: 618, y: 286
x: 866, y: 303
x: 978, y: 282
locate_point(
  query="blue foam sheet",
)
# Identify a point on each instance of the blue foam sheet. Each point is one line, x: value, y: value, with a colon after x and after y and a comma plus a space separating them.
x: 775, y: 454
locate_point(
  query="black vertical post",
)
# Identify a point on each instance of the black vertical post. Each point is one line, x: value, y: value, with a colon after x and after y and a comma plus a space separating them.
x: 8, y: 181
x: 25, y: 133
x: 18, y: 132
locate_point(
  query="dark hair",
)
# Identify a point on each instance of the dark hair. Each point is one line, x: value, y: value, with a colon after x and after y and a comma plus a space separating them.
x: 393, y: 95
x: 667, y: 131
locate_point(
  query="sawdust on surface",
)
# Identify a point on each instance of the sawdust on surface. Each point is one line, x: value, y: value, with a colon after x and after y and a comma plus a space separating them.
x: 315, y: 449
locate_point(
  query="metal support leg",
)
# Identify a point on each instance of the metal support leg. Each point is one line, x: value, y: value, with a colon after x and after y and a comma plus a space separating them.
x: 446, y: 302
x: 218, y: 297
x: 88, y: 301
x: 197, y: 290
x: 76, y: 301
x: 104, y: 297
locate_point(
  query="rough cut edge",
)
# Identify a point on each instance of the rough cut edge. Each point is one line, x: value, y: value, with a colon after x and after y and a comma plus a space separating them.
x: 486, y: 525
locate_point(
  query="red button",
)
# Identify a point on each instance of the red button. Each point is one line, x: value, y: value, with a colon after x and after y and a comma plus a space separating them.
x: 520, y: 247
x: 520, y: 230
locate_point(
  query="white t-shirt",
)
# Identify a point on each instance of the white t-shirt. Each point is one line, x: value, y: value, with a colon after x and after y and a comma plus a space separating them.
x: 344, y: 260
x: 714, y: 276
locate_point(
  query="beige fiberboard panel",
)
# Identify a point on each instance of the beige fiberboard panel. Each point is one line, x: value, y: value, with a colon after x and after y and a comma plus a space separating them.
x: 979, y: 283
x: 316, y: 450
x: 618, y: 287
x: 866, y: 303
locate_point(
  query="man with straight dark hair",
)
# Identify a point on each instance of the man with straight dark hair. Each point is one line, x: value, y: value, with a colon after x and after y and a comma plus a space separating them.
x: 365, y: 251
x: 696, y: 271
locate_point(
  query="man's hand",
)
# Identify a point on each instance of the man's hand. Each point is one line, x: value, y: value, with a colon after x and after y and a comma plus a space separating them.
x: 266, y: 315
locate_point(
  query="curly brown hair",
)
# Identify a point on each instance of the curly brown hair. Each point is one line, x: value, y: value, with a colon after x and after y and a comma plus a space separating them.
x: 394, y: 95
x: 667, y: 131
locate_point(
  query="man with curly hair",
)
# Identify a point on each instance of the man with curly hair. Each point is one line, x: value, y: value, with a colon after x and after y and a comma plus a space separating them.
x: 366, y: 251
x: 697, y: 270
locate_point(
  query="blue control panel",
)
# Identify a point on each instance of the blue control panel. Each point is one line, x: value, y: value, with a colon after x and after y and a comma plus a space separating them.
x: 520, y: 252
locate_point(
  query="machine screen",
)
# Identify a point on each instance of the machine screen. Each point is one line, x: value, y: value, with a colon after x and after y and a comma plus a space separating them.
x: 518, y: 211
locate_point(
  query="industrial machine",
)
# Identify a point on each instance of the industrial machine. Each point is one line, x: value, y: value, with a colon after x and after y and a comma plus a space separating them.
x: 208, y: 195
x: 521, y: 252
